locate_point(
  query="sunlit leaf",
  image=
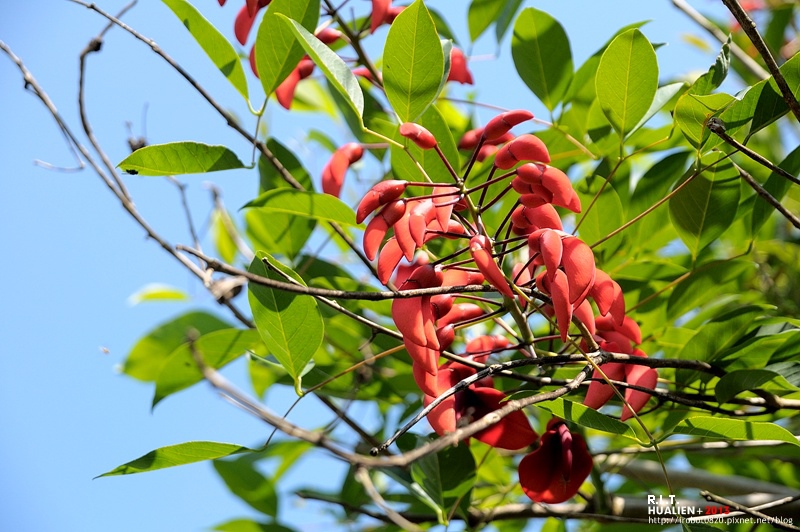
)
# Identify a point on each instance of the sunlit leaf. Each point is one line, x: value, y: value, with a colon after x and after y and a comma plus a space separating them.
x: 177, y: 158
x: 703, y: 209
x: 157, y: 292
x: 148, y: 355
x: 277, y: 51
x: 719, y: 428
x: 247, y: 483
x: 541, y: 52
x: 743, y: 380
x: 587, y: 417
x: 306, y: 204
x: 290, y: 324
x: 216, y: 349
x: 413, y: 62
x: 175, y: 455
x: 336, y: 71
x: 627, y: 80
x: 218, y: 48
x: 693, y: 111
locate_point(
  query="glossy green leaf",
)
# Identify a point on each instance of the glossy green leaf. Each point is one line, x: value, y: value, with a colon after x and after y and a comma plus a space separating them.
x: 216, y: 348
x: 336, y: 71
x: 218, y: 48
x: 693, y: 111
x: 247, y: 483
x: 703, y: 209
x: 541, y: 52
x: 627, y: 80
x: 506, y: 18
x: 716, y: 74
x: 176, y: 455
x: 277, y: 51
x: 719, y: 428
x: 224, y: 232
x: 157, y: 292
x: 704, y: 284
x: 306, y: 204
x: 176, y: 158
x: 481, y: 15
x: 413, y: 62
x: 290, y: 324
x: 148, y: 355
x: 605, y: 216
x: 663, y: 95
x: 280, y: 233
x: 587, y: 417
x: 248, y: 525
x: 743, y: 380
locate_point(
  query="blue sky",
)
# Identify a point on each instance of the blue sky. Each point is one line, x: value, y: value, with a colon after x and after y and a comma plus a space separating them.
x: 72, y: 258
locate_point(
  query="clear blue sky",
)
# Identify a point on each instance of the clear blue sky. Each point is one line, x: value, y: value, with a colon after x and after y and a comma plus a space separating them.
x: 72, y: 258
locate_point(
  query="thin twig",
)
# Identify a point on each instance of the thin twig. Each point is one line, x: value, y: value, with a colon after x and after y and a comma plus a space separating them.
x: 749, y: 28
x: 362, y: 476
x: 751, y: 65
x: 769, y: 198
x: 777, y: 523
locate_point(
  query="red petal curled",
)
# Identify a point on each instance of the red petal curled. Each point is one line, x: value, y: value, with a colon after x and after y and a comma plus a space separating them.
x: 483, y: 346
x: 470, y: 139
x: 541, y: 217
x: 380, y: 9
x: 445, y: 203
x: 418, y: 134
x: 328, y: 35
x: 441, y: 305
x: 639, y: 376
x: 243, y: 23
x: 421, y: 214
x: 380, y: 194
x: 457, y: 277
x: 599, y: 391
x: 459, y: 71
x: 460, y: 312
x: 380, y: 224
x: 333, y: 173
x: 502, y: 124
x: 512, y: 432
x: 629, y: 328
x: 481, y: 249
x: 544, y: 475
x: 578, y: 262
x: 426, y: 358
x: 608, y: 296
x: 388, y: 259
x: 560, y: 187
x: 523, y: 148
x: 559, y: 293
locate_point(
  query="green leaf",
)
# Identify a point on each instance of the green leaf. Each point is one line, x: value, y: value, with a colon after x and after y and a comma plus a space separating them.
x: 506, y: 18
x: 221, y: 226
x: 627, y: 80
x: 148, y: 355
x: 587, y: 417
x: 176, y: 158
x: 663, y: 95
x: 703, y: 209
x: 277, y: 51
x: 413, y: 62
x: 540, y: 48
x: 605, y: 216
x: 693, y: 111
x: 336, y: 71
x: 216, y: 348
x: 218, y: 48
x: 717, y: 428
x: 247, y: 483
x: 248, y: 525
x: 306, y: 204
x: 175, y: 455
x: 290, y: 324
x: 280, y: 233
x: 742, y: 380
x: 716, y: 74
x: 481, y: 15
x: 157, y: 292
x: 704, y: 285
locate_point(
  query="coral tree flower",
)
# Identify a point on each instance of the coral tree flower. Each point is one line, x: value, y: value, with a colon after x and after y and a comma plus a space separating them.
x: 340, y: 161
x: 459, y: 72
x: 554, y: 472
x: 617, y: 338
x: 512, y: 432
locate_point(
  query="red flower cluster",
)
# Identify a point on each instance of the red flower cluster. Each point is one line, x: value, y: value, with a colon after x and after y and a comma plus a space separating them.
x: 556, y: 263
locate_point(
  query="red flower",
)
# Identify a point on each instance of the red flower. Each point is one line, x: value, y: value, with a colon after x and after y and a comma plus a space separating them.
x: 554, y: 472
x: 418, y: 134
x: 499, y: 126
x: 285, y: 91
x: 481, y: 249
x: 523, y: 148
x: 459, y: 71
x: 512, y: 432
x: 340, y: 161
x: 380, y: 11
